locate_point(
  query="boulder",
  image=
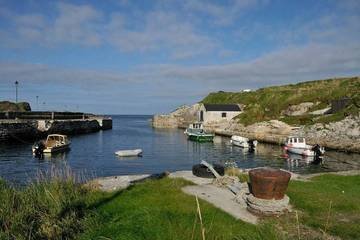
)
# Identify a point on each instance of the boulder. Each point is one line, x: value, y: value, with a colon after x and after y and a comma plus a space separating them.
x: 297, y: 110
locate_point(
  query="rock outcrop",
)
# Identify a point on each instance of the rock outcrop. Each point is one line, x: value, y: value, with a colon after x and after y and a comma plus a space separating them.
x: 273, y: 131
x: 6, y: 106
x: 181, y: 117
x: 343, y: 135
x: 297, y: 110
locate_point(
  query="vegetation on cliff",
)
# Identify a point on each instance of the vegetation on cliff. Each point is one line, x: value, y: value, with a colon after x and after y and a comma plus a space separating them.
x: 270, y: 103
x: 6, y: 106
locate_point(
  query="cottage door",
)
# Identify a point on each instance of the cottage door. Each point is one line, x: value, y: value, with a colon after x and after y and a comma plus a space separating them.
x: 201, y: 116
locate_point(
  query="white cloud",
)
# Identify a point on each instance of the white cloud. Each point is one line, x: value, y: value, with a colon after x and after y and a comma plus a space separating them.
x: 223, y: 14
x: 283, y: 66
x: 76, y: 24
x: 159, y: 30
x: 156, y: 30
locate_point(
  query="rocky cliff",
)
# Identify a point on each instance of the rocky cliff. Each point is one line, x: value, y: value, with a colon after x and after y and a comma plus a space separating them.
x: 181, y: 117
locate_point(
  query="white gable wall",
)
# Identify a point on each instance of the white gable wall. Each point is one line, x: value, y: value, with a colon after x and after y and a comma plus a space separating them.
x: 216, y: 116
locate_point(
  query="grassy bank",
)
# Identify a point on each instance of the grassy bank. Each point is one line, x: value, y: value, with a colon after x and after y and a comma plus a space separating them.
x: 326, y: 206
x: 268, y: 103
x: 54, y: 209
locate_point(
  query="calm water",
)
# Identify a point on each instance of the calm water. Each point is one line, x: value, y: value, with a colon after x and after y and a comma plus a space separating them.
x: 164, y: 150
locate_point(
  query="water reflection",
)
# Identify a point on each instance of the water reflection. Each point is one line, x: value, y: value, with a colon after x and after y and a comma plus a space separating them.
x: 295, y: 161
x: 57, y: 156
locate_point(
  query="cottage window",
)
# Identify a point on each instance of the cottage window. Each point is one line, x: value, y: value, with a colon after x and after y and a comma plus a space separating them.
x: 223, y: 115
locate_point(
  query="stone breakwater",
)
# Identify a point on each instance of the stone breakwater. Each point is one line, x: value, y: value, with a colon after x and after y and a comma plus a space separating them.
x: 343, y: 135
x: 18, y: 130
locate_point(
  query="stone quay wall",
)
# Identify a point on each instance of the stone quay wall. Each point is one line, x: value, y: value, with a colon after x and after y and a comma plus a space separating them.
x: 18, y: 130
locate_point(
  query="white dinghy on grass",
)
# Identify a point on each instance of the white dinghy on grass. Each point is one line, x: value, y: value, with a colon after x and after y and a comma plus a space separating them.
x: 129, y: 153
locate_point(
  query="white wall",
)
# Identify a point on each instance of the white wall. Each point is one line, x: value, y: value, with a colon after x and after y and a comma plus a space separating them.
x: 215, y: 116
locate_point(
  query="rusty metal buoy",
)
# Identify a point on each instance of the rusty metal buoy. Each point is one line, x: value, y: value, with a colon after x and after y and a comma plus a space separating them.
x: 269, y: 183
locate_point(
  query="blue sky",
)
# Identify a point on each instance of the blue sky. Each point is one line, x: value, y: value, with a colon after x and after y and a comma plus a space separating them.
x: 145, y: 57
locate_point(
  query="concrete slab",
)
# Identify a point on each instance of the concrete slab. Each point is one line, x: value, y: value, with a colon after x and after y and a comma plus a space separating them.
x: 187, y: 175
x: 119, y: 182
x: 224, y: 199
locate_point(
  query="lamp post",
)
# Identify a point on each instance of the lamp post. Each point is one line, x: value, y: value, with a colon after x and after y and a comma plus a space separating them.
x: 37, y: 103
x: 16, y: 88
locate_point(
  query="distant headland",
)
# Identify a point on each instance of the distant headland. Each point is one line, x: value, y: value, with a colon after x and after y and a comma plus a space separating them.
x: 323, y: 111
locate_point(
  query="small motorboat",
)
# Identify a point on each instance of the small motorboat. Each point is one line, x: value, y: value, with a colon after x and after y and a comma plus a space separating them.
x: 243, y: 142
x: 129, y: 153
x: 195, y: 132
x: 298, y: 145
x: 53, y: 143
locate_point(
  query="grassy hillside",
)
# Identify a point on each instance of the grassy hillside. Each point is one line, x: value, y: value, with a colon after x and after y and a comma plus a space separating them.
x: 267, y: 103
x: 6, y: 106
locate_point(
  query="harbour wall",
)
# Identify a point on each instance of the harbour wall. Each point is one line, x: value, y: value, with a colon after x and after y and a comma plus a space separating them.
x: 30, y: 129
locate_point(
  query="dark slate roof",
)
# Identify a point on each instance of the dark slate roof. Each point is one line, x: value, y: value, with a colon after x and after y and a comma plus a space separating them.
x: 222, y: 107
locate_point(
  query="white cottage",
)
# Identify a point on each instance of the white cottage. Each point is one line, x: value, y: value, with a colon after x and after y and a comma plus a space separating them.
x: 218, y: 112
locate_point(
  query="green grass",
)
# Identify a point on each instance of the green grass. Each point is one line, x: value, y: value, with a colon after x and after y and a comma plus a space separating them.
x: 313, y: 200
x: 158, y: 209
x: 47, y: 210
x: 267, y: 103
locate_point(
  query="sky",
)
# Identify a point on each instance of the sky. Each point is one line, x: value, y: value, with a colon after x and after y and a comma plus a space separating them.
x: 147, y: 57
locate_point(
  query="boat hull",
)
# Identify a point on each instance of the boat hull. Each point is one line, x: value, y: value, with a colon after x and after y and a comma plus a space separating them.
x: 201, y: 138
x: 56, y: 149
x: 239, y: 144
x: 243, y: 142
x: 301, y: 151
x: 129, y: 153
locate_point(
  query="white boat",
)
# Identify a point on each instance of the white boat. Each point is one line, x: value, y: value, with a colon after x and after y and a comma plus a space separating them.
x: 129, y: 153
x: 243, y: 142
x: 298, y: 145
x: 53, y: 143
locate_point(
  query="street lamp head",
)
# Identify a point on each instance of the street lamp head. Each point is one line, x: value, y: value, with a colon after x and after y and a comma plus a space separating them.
x: 16, y: 82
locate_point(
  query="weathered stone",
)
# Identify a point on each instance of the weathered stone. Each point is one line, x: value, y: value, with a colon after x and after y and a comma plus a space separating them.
x: 164, y: 121
x: 179, y: 118
x: 321, y: 111
x: 297, y: 110
x: 31, y: 129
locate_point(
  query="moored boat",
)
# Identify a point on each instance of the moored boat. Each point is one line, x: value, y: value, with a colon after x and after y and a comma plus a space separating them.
x: 195, y: 132
x: 129, y: 153
x: 243, y: 142
x: 298, y: 145
x: 53, y: 143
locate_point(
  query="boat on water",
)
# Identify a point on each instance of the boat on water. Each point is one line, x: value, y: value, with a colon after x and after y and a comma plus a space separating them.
x: 129, y: 153
x: 243, y: 142
x: 298, y: 145
x: 195, y: 132
x: 53, y: 143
